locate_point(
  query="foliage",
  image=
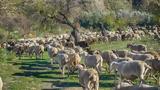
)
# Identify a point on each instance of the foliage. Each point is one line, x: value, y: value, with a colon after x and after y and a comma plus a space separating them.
x: 41, y: 16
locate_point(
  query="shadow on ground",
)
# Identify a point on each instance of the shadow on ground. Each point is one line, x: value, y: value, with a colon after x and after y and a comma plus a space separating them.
x: 50, y: 74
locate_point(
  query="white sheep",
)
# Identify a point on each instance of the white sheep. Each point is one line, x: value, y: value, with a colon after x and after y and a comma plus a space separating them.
x: 138, y: 56
x: 52, y: 52
x: 94, y: 61
x: 130, y: 69
x: 62, y: 60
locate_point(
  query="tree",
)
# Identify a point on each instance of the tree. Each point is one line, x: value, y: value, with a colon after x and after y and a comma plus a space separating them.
x: 66, y: 12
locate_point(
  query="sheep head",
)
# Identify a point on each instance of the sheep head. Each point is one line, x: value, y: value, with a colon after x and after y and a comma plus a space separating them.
x: 113, y: 66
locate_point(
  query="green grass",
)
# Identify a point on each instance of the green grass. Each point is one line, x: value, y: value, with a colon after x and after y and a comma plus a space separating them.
x: 120, y: 45
x: 31, y: 74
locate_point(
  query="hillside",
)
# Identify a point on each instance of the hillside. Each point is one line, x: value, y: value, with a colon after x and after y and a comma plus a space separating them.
x: 33, y: 17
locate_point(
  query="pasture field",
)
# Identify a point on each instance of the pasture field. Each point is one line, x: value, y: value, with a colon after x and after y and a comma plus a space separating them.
x: 31, y: 74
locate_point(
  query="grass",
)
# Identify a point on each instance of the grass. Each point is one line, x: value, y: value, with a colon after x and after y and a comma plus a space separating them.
x: 120, y: 45
x: 31, y: 74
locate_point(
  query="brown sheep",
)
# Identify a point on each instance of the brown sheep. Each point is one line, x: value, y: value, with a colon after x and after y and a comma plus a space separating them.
x: 74, y: 59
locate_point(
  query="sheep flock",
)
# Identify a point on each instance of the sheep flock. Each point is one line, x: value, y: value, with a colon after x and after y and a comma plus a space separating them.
x: 137, y: 62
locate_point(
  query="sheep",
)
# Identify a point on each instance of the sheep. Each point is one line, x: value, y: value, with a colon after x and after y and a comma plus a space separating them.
x: 114, y: 37
x: 38, y: 50
x: 126, y: 71
x: 123, y: 59
x: 88, y: 78
x: 121, y: 53
x: 142, y: 57
x: 19, y: 50
x: 155, y: 64
x: 136, y: 37
x: 83, y: 44
x: 128, y: 36
x: 62, y: 60
x: 108, y: 56
x: 94, y: 61
x: 74, y: 59
x: 70, y: 44
x: 30, y: 49
x: 137, y: 47
x: 52, y: 52
x: 78, y: 49
x: 1, y: 83
x: 128, y: 86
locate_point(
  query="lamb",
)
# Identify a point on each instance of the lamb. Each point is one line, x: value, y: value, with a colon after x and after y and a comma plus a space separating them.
x: 94, y: 61
x: 126, y: 71
x: 88, y: 78
x: 137, y: 47
x: 128, y: 86
x: 1, y: 83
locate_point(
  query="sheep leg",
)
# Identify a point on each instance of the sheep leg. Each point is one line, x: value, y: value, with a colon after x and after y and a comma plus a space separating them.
x: 63, y: 69
x: 88, y: 86
x: 83, y: 88
x: 51, y: 61
x: 141, y: 80
x: 145, y: 72
x: 41, y: 55
x: 97, y: 86
x: 159, y: 79
x: 69, y: 70
x: 97, y: 70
